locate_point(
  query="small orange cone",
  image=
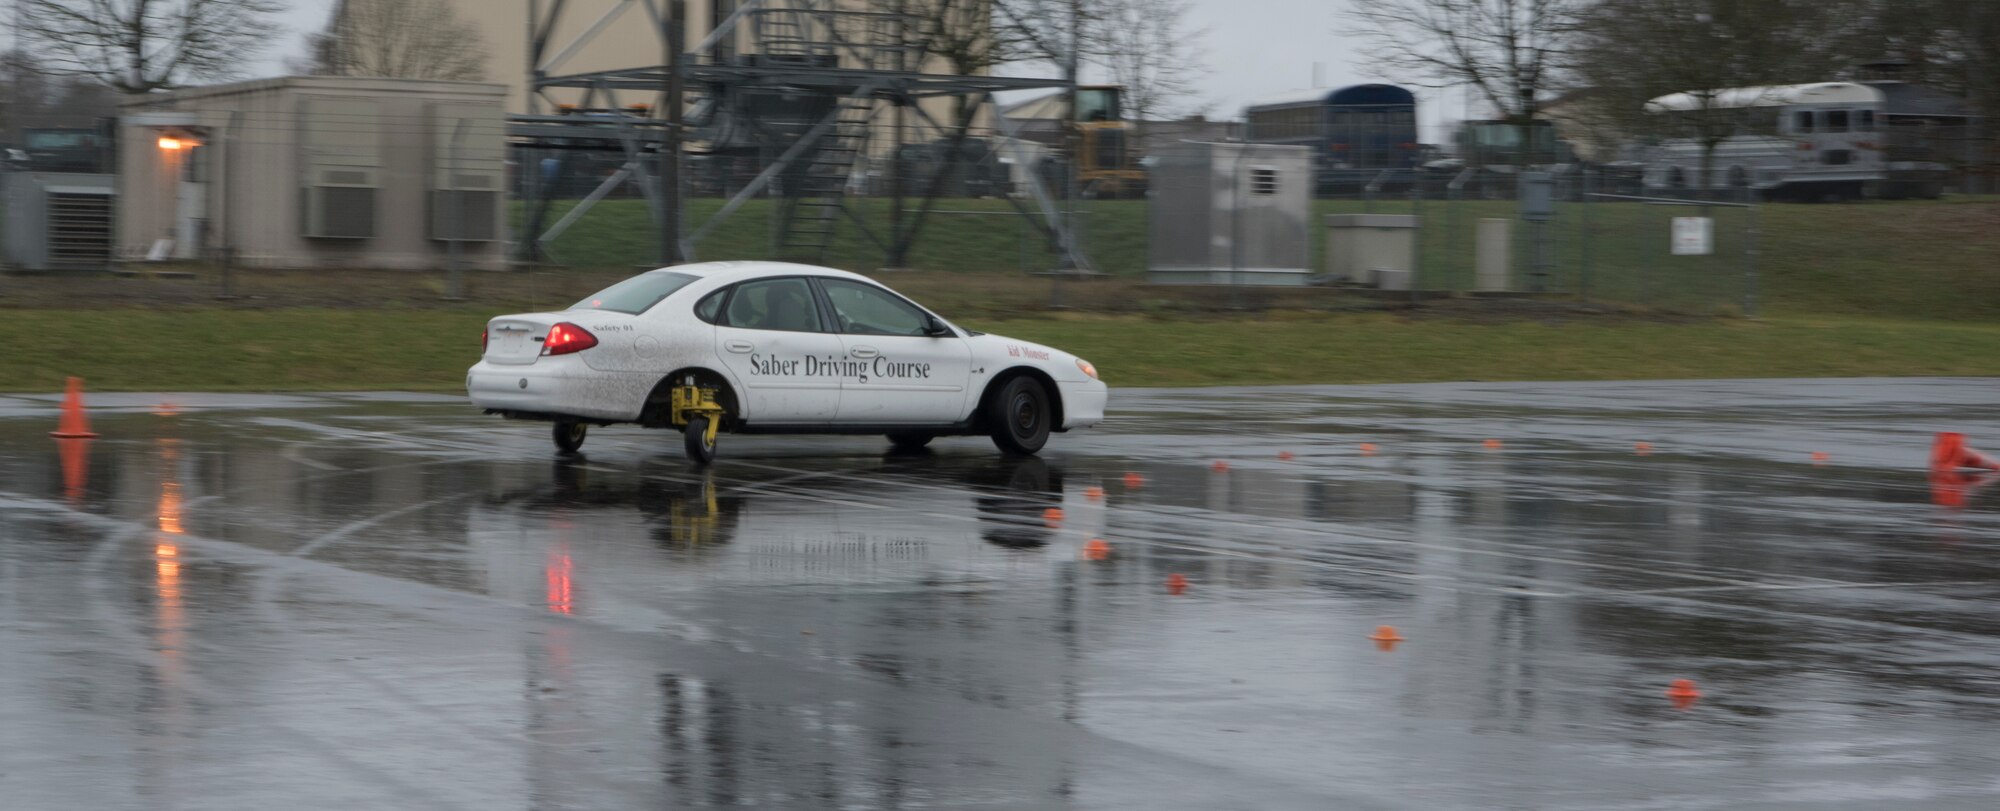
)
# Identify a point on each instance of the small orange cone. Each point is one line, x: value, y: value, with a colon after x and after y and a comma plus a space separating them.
x: 1493, y: 444
x: 1683, y: 692
x: 1053, y: 515
x: 1642, y: 448
x: 1176, y: 584
x: 75, y: 467
x: 1820, y: 457
x: 74, y: 424
x: 1948, y: 452
x: 1367, y: 449
x: 1096, y: 549
x: 1949, y: 488
x: 1094, y: 493
x: 1134, y: 481
x: 1219, y: 466
x: 1284, y: 456
x: 1385, y: 637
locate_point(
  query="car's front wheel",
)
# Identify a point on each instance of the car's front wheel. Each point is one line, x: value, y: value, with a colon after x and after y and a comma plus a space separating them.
x: 700, y: 448
x: 1019, y: 416
x: 569, y: 436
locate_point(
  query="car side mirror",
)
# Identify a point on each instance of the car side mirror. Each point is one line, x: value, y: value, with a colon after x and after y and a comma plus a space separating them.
x: 935, y: 328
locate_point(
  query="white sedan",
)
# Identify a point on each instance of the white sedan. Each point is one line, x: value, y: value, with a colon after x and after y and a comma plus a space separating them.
x: 770, y: 347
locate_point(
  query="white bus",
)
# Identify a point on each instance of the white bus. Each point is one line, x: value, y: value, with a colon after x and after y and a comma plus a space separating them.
x: 1820, y: 141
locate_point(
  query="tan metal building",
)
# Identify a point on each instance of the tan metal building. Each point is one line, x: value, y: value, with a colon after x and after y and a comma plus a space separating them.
x: 331, y: 172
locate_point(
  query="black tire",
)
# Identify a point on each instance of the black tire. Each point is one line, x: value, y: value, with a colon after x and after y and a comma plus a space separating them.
x: 910, y: 440
x: 699, y: 449
x: 1019, y: 416
x: 569, y: 436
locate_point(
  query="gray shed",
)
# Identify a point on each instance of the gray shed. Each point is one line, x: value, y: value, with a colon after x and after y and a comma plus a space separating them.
x: 1234, y: 214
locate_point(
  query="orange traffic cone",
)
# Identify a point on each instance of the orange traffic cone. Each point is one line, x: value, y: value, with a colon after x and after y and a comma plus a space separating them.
x: 1096, y: 549
x: 1176, y: 584
x: 1053, y: 515
x: 1385, y: 637
x: 1948, y: 452
x: 1950, y: 488
x: 75, y: 467
x: 74, y: 424
x: 1493, y: 444
x: 1094, y: 493
x: 1134, y: 481
x: 1683, y: 692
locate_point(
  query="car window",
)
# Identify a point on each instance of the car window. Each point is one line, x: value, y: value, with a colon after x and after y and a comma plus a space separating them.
x: 710, y: 307
x: 785, y: 304
x: 864, y: 309
x: 635, y: 295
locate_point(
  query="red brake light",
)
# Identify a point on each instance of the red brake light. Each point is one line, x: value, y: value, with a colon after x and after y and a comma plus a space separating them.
x: 565, y: 338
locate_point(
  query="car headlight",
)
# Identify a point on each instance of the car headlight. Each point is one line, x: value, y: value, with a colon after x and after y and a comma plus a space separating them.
x: 1087, y: 368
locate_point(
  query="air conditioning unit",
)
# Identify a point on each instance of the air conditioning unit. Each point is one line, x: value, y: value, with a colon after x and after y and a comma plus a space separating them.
x: 340, y: 204
x: 341, y: 152
x: 468, y: 171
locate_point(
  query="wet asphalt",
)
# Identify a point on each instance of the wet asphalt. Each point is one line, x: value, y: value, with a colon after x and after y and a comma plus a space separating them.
x: 391, y: 601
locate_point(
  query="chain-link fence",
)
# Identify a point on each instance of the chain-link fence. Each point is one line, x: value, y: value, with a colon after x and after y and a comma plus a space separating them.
x: 1598, y: 240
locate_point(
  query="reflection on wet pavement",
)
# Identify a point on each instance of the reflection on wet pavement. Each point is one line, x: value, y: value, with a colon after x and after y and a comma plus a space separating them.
x: 390, y: 602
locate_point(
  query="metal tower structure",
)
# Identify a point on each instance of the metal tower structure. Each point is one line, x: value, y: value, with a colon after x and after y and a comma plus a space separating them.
x: 799, y: 91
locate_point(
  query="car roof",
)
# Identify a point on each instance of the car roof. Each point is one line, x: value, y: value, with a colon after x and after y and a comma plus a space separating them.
x: 726, y: 272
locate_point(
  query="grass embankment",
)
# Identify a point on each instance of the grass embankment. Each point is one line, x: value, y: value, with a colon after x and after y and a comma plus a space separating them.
x: 1903, y: 288
x: 1916, y: 260
x: 320, y: 350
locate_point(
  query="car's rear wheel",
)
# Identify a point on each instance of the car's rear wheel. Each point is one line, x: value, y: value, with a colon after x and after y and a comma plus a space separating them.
x: 700, y: 449
x: 909, y: 440
x: 569, y: 436
x: 1019, y: 416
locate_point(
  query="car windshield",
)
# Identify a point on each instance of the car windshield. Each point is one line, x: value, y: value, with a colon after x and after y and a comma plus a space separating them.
x: 635, y: 295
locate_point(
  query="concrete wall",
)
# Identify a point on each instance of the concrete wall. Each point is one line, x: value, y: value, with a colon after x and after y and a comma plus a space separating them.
x: 250, y: 183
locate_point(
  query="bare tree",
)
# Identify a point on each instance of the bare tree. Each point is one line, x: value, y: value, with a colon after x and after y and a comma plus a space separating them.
x: 404, y: 39
x: 1145, y: 46
x: 1507, y: 51
x: 139, y: 45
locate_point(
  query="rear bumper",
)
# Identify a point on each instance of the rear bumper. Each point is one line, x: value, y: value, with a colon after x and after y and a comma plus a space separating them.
x: 559, y: 386
x: 1083, y: 403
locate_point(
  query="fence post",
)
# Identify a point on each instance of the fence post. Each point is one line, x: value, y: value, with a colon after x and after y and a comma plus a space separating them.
x: 1584, y: 241
x: 1752, y: 233
x: 454, y: 283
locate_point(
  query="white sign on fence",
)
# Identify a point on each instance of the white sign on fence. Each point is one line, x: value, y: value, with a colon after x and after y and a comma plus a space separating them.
x: 1694, y: 236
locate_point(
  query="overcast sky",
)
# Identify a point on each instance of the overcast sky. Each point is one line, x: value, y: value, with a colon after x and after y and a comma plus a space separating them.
x: 1255, y: 48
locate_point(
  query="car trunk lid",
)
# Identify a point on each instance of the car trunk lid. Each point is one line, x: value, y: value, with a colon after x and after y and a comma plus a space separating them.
x: 516, y: 340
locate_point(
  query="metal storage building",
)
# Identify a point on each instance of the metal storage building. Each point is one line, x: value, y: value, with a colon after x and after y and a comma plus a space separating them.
x: 300, y: 172
x: 1230, y: 213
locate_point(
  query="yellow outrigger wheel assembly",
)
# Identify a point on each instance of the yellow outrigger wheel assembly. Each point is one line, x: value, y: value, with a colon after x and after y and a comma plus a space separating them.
x: 699, y: 416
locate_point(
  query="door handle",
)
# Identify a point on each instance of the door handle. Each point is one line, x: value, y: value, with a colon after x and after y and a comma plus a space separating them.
x: 739, y: 347
x: 863, y: 351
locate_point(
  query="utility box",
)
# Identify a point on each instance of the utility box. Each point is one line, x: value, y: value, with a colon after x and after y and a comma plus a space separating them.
x: 1494, y: 249
x: 1379, y: 250
x: 1230, y: 214
x: 56, y: 221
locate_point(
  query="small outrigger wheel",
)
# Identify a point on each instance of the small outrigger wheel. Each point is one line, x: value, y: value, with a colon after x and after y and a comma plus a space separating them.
x: 700, y: 445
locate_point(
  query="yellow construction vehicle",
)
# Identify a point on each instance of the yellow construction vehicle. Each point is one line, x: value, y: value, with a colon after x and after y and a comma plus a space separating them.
x: 1108, y: 164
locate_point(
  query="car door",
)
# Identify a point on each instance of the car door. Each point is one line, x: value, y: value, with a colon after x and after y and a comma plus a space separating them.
x: 906, y: 376
x: 773, y: 339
